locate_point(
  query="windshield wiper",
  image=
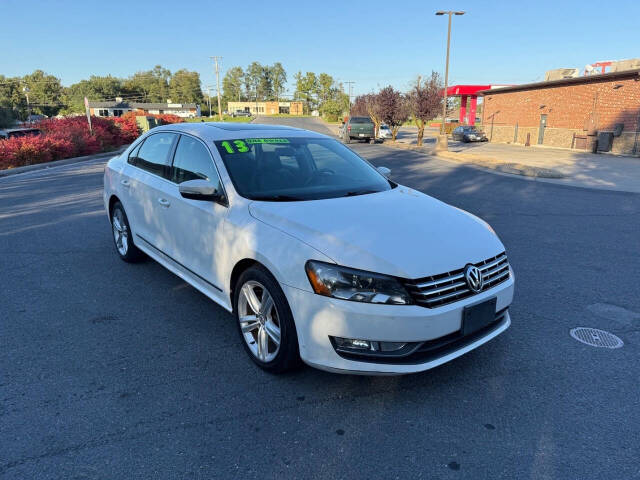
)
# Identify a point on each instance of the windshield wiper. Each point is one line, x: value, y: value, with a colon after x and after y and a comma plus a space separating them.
x: 278, y: 198
x: 359, y: 192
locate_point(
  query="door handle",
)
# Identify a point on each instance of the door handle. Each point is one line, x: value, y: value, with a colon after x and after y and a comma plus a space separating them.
x: 164, y: 202
x: 125, y: 183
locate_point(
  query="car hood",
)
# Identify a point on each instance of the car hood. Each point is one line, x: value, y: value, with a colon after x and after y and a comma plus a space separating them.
x: 399, y: 232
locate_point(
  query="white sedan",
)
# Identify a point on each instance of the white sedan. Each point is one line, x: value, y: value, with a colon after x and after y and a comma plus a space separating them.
x: 384, y: 131
x: 318, y: 255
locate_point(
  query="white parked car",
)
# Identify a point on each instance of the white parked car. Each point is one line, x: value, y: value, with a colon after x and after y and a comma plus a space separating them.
x: 384, y: 131
x: 318, y: 255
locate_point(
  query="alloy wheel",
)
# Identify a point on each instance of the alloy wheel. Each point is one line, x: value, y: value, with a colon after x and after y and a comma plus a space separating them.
x: 259, y: 321
x: 120, y: 232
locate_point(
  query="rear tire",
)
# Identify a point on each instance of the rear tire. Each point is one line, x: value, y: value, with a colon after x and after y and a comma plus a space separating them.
x: 122, y: 236
x: 265, y: 322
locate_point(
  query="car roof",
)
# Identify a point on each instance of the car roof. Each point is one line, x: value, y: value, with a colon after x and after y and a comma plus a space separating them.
x: 214, y: 131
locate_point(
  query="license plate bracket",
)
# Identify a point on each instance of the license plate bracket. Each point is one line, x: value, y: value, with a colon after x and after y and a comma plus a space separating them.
x: 361, y: 134
x: 476, y: 317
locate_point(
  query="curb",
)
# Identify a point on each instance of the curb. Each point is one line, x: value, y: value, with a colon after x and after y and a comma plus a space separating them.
x: 60, y: 163
x: 512, y: 168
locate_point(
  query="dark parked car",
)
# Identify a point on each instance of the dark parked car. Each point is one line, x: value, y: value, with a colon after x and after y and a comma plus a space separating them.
x: 361, y: 128
x: 468, y: 133
x: 18, y: 132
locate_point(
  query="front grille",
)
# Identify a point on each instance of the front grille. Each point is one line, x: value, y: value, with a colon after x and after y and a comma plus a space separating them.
x: 450, y: 287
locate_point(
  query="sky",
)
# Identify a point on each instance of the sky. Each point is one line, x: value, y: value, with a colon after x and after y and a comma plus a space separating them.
x: 372, y: 43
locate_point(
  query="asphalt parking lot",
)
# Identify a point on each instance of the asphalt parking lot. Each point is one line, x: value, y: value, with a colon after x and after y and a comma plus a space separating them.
x: 110, y: 370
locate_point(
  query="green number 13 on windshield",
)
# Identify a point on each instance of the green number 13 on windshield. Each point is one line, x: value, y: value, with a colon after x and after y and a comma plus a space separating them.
x: 240, y: 146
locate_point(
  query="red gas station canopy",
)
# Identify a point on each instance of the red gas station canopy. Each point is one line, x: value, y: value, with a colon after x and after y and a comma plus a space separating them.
x: 455, y: 90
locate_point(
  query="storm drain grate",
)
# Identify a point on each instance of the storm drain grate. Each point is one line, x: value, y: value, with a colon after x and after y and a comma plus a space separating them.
x: 595, y: 337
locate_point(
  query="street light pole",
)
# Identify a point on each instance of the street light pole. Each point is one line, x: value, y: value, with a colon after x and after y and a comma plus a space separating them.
x: 443, y: 131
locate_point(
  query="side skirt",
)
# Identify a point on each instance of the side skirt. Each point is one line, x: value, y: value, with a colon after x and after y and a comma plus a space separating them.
x: 212, y: 291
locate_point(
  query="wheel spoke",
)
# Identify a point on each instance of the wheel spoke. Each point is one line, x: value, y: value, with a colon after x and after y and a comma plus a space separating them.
x: 263, y: 344
x: 119, y: 221
x: 249, y: 323
x: 251, y: 297
x: 266, y: 304
x: 273, y: 331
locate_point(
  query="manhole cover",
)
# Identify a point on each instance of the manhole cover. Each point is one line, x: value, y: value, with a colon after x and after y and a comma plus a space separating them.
x: 595, y: 337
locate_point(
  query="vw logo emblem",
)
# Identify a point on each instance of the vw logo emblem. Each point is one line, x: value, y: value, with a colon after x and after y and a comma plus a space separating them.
x: 473, y: 277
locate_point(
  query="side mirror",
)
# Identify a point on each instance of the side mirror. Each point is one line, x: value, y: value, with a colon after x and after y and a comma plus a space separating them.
x: 199, y: 190
x: 384, y: 171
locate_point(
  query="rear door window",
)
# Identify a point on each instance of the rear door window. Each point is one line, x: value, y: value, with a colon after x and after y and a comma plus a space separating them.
x: 154, y: 154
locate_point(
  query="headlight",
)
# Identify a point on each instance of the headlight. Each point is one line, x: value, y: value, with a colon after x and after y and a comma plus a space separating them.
x: 357, y: 285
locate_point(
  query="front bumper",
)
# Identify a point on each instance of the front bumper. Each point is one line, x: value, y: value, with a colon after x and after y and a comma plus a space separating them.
x: 319, y: 318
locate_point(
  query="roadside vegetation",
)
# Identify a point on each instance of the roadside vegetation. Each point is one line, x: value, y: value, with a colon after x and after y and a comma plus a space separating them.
x: 395, y: 109
x: 70, y: 137
x: 48, y: 97
x: 260, y: 83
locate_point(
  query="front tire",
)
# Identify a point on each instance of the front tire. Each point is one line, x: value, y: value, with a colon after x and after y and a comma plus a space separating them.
x: 122, y: 237
x: 265, y: 322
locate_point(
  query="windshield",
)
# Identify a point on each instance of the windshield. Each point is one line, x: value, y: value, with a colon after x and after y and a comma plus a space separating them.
x: 290, y: 169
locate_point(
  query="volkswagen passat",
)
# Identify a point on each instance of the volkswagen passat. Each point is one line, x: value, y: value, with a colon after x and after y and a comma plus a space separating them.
x: 318, y: 255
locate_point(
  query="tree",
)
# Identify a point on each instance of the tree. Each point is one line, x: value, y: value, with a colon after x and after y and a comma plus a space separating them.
x: 323, y: 86
x: 278, y: 79
x: 367, y: 105
x: 335, y: 104
x: 95, y: 88
x: 393, y: 108
x: 45, y: 92
x: 149, y: 86
x: 265, y: 84
x: 232, y: 85
x: 184, y: 87
x: 306, y: 86
x: 425, y: 101
x: 252, y: 79
x: 13, y: 103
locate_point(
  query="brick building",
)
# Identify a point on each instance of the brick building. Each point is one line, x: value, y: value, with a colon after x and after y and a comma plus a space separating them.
x: 568, y: 113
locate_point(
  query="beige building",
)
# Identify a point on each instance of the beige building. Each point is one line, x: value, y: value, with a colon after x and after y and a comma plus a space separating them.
x: 266, y: 108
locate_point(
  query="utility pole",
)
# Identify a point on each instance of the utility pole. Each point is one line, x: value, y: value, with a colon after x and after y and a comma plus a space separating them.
x: 209, y: 99
x: 26, y: 92
x: 350, y: 89
x: 443, y: 131
x: 215, y: 59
